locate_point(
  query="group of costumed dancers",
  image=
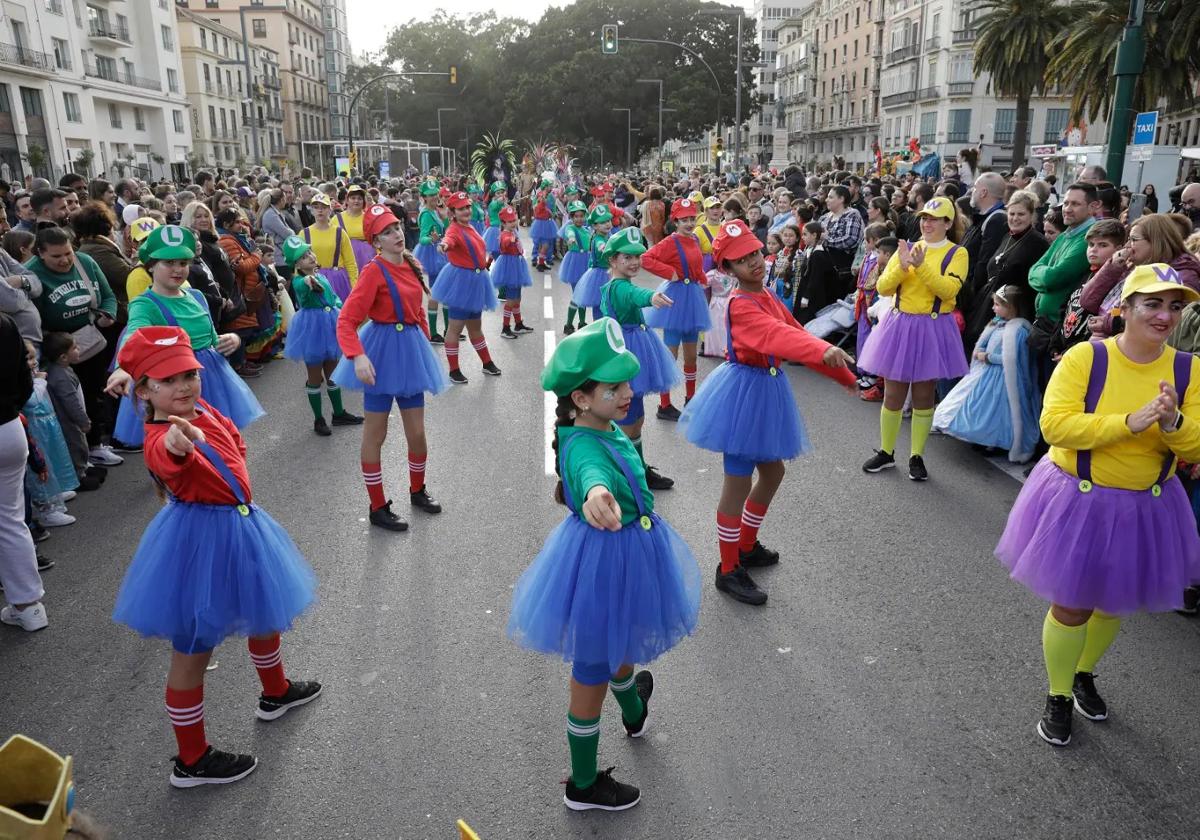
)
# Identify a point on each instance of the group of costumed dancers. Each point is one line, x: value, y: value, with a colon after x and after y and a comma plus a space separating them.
x: 1102, y: 528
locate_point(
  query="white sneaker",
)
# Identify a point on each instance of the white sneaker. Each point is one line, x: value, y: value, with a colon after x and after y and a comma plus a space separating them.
x: 54, y: 518
x: 29, y: 619
x: 67, y: 496
x: 104, y: 456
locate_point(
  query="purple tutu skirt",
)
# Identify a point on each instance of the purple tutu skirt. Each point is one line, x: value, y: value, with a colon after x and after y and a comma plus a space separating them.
x: 339, y: 281
x: 510, y: 271
x: 688, y: 311
x: 468, y: 289
x: 574, y: 264
x: 587, y: 290
x: 364, y: 252
x: 708, y: 263
x: 914, y: 348
x: 312, y: 338
x: 491, y: 238
x: 1120, y: 551
x: 431, y: 259
x: 658, y: 372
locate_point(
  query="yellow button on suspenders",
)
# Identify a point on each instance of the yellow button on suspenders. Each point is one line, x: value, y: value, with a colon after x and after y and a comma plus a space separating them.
x: 774, y: 370
x: 933, y: 315
x: 243, y: 510
x: 399, y: 328
x: 328, y: 308
x: 1156, y: 491
x: 645, y: 520
x: 641, y: 326
x: 687, y: 280
x: 1085, y: 486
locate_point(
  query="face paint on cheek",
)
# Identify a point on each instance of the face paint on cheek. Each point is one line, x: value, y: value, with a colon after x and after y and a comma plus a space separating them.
x: 609, y: 394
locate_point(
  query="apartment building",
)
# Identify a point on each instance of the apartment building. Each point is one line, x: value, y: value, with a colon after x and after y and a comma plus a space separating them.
x: 767, y: 17
x: 337, y: 62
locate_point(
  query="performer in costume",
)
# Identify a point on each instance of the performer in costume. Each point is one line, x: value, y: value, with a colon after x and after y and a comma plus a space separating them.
x: 351, y: 218
x: 614, y: 584
x: 312, y: 338
x: 211, y: 563
x: 465, y: 288
x: 167, y: 253
x: 510, y: 274
x: 587, y: 290
x: 478, y: 216
x: 389, y: 359
x: 332, y: 247
x: 745, y: 409
x: 575, y: 263
x: 543, y: 231
x: 432, y: 227
x: 1103, y: 528
x: 491, y: 236
x: 707, y: 229
x: 623, y: 301
x: 914, y: 346
x: 679, y: 260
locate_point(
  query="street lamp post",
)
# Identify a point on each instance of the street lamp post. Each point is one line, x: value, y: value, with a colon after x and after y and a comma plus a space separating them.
x: 441, y: 149
x: 628, y: 137
x: 660, y: 112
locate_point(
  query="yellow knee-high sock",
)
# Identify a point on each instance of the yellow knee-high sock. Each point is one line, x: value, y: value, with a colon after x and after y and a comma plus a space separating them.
x: 1061, y: 647
x: 1101, y: 631
x: 922, y: 422
x: 889, y: 429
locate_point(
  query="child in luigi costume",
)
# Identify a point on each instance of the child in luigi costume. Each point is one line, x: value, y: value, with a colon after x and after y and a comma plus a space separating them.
x: 623, y: 301
x: 614, y: 584
x: 432, y: 227
x: 477, y: 214
x: 312, y: 337
x: 587, y: 290
x: 491, y: 234
x: 578, y: 239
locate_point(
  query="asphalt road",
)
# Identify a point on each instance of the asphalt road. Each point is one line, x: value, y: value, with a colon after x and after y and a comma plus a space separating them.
x: 888, y: 690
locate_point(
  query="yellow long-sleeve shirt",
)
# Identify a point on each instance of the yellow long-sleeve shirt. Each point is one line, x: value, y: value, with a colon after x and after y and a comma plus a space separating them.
x: 352, y: 224
x: 918, y: 286
x: 1119, y: 457
x: 323, y: 244
x: 706, y: 232
x: 137, y: 281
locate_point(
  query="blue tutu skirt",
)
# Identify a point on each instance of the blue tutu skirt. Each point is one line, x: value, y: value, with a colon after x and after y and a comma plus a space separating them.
x: 339, y: 281
x: 464, y: 288
x: 205, y: 572
x: 659, y: 372
x: 593, y: 596
x: 746, y: 412
x: 431, y: 259
x: 574, y: 264
x: 47, y: 433
x: 404, y: 361
x: 491, y: 238
x: 587, y: 290
x: 220, y: 387
x: 914, y: 348
x: 478, y: 225
x: 688, y: 311
x: 510, y: 270
x: 312, y: 338
x: 364, y: 252
x: 543, y: 230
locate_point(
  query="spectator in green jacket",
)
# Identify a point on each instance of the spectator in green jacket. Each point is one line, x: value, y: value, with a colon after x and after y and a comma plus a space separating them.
x: 1064, y: 267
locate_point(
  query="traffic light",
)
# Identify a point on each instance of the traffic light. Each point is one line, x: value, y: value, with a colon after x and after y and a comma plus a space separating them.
x: 353, y: 159
x: 608, y: 39
x: 720, y: 147
x: 453, y: 74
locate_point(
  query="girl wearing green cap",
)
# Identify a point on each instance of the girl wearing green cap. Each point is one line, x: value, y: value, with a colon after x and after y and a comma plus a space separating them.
x: 575, y: 263
x: 587, y: 290
x: 614, y: 584
x: 432, y: 227
x: 491, y: 234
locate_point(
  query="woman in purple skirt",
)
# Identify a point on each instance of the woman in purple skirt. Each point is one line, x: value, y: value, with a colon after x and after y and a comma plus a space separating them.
x: 1103, y: 528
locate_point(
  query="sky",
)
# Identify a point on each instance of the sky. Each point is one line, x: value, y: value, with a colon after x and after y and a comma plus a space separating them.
x: 371, y: 20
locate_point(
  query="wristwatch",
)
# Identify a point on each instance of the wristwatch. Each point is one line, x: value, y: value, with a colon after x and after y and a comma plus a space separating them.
x: 1178, y: 420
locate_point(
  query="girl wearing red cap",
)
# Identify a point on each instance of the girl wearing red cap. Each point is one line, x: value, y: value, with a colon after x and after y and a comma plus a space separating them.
x: 212, y: 563
x: 510, y: 274
x: 680, y: 261
x: 465, y: 287
x: 745, y: 408
x: 389, y: 359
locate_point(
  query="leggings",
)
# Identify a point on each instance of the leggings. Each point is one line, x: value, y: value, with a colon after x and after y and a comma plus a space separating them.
x: 18, y: 560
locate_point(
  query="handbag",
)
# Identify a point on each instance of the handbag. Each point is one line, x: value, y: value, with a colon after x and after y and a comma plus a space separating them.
x: 1041, y: 331
x: 88, y: 339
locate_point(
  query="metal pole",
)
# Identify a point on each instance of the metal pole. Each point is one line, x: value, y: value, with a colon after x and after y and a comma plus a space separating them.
x: 737, y: 101
x: 441, y: 151
x: 250, y: 83
x: 1131, y: 55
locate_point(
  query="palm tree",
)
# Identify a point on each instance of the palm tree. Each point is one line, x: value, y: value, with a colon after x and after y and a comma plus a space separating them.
x: 1084, y: 54
x: 1012, y: 46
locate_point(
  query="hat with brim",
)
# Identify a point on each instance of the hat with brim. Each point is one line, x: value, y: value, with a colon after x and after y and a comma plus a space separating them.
x: 734, y: 241
x: 294, y: 249
x: 321, y: 198
x: 1156, y: 278
x: 141, y: 228
x: 596, y: 352
x: 600, y: 214
x: 378, y: 218
x: 473, y: 189
x: 696, y: 197
x: 711, y: 202
x: 507, y: 214
x: 625, y: 241
x: 576, y: 207
x: 458, y: 200
x: 157, y: 352
x: 168, y: 242
x: 938, y: 208
x: 684, y: 208
x: 499, y: 186
x: 430, y: 188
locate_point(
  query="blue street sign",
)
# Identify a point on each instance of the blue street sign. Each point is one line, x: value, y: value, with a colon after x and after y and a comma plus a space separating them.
x: 1144, y: 128
x: 385, y: 169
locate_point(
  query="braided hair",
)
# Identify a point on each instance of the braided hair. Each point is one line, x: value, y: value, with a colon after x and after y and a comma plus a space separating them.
x: 564, y: 415
x: 417, y: 268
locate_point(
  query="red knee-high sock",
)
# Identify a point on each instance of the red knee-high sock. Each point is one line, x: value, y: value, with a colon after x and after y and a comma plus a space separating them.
x: 727, y: 539
x: 752, y: 519
x: 689, y: 381
x: 373, y: 478
x: 481, y: 348
x: 507, y: 314
x: 516, y: 310
x: 416, y: 472
x: 452, y: 352
x: 664, y: 399
x: 185, y: 707
x: 268, y: 661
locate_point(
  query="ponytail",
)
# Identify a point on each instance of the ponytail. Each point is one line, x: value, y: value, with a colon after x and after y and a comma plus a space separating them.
x: 564, y: 415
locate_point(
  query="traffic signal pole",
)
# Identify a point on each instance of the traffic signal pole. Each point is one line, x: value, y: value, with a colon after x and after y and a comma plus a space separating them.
x: 1131, y: 56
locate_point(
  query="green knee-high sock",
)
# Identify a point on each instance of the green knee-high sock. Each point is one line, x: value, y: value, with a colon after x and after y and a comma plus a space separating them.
x: 1101, y: 631
x: 583, y: 737
x: 922, y: 422
x: 335, y: 397
x: 631, y: 702
x: 313, y: 392
x: 571, y: 310
x: 1062, y: 646
x: 889, y: 429
x: 433, y: 316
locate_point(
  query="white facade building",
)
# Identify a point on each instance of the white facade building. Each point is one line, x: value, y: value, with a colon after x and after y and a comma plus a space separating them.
x: 766, y: 20
x: 337, y: 62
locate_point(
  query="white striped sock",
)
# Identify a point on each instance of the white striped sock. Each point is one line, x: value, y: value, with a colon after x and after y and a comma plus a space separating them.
x: 582, y: 731
x: 186, y: 717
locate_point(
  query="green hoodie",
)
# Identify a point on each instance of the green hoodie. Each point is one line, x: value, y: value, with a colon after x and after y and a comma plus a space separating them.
x: 1060, y: 271
x: 66, y: 299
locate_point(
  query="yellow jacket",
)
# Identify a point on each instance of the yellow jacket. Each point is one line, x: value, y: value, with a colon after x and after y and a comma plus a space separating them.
x: 916, y: 288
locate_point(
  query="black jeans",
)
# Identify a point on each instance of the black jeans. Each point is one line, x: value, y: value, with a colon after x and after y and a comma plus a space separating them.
x: 93, y: 376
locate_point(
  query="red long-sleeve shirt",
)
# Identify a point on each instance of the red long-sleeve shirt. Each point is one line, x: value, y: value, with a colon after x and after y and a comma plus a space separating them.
x: 761, y: 326
x: 510, y: 243
x: 370, y: 299
x: 192, y: 478
x: 663, y: 259
x: 541, y: 210
x: 460, y: 241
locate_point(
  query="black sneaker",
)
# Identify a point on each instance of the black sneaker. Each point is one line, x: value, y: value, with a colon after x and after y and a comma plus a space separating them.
x: 384, y: 518
x: 345, y: 418
x: 740, y: 586
x: 458, y: 377
x: 97, y: 470
x: 644, y: 682
x: 568, y: 330
x: 491, y: 370
x: 44, y: 563
x: 1055, y: 726
x: 522, y: 327
x: 299, y: 692
x: 421, y: 499
x: 655, y: 481
x: 606, y: 794
x: 758, y: 556
x: 669, y: 413
x: 879, y: 462
x: 916, y: 469
x: 89, y: 483
x: 434, y: 338
x: 215, y: 767
x: 321, y: 427
x: 1088, y: 701
x: 121, y: 446
x: 507, y: 332
x: 39, y: 533
x: 1191, y: 600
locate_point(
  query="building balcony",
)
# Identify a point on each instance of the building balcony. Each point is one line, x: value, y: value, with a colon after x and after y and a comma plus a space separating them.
x: 963, y: 36
x: 899, y: 98
x: 960, y: 88
x: 96, y: 72
x: 272, y: 83
x: 925, y: 94
x: 26, y: 57
x: 905, y: 53
x: 933, y: 43
x: 106, y: 32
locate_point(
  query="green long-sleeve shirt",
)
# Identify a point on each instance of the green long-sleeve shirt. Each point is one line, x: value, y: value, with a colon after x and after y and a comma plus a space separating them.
x: 494, y: 208
x: 191, y: 315
x: 432, y: 226
x: 589, y: 464
x: 307, y: 298
x: 578, y: 238
x: 1060, y: 271
x: 622, y: 300
x: 67, y: 298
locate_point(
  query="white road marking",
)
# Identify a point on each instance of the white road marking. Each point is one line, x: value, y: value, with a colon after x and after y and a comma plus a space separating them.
x: 550, y: 402
x: 548, y: 308
x: 547, y: 283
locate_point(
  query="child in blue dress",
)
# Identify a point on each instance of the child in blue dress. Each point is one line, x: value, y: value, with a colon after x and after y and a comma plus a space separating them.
x: 587, y: 290
x: 575, y: 263
x: 614, y: 584
x: 510, y: 274
x: 49, y: 496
